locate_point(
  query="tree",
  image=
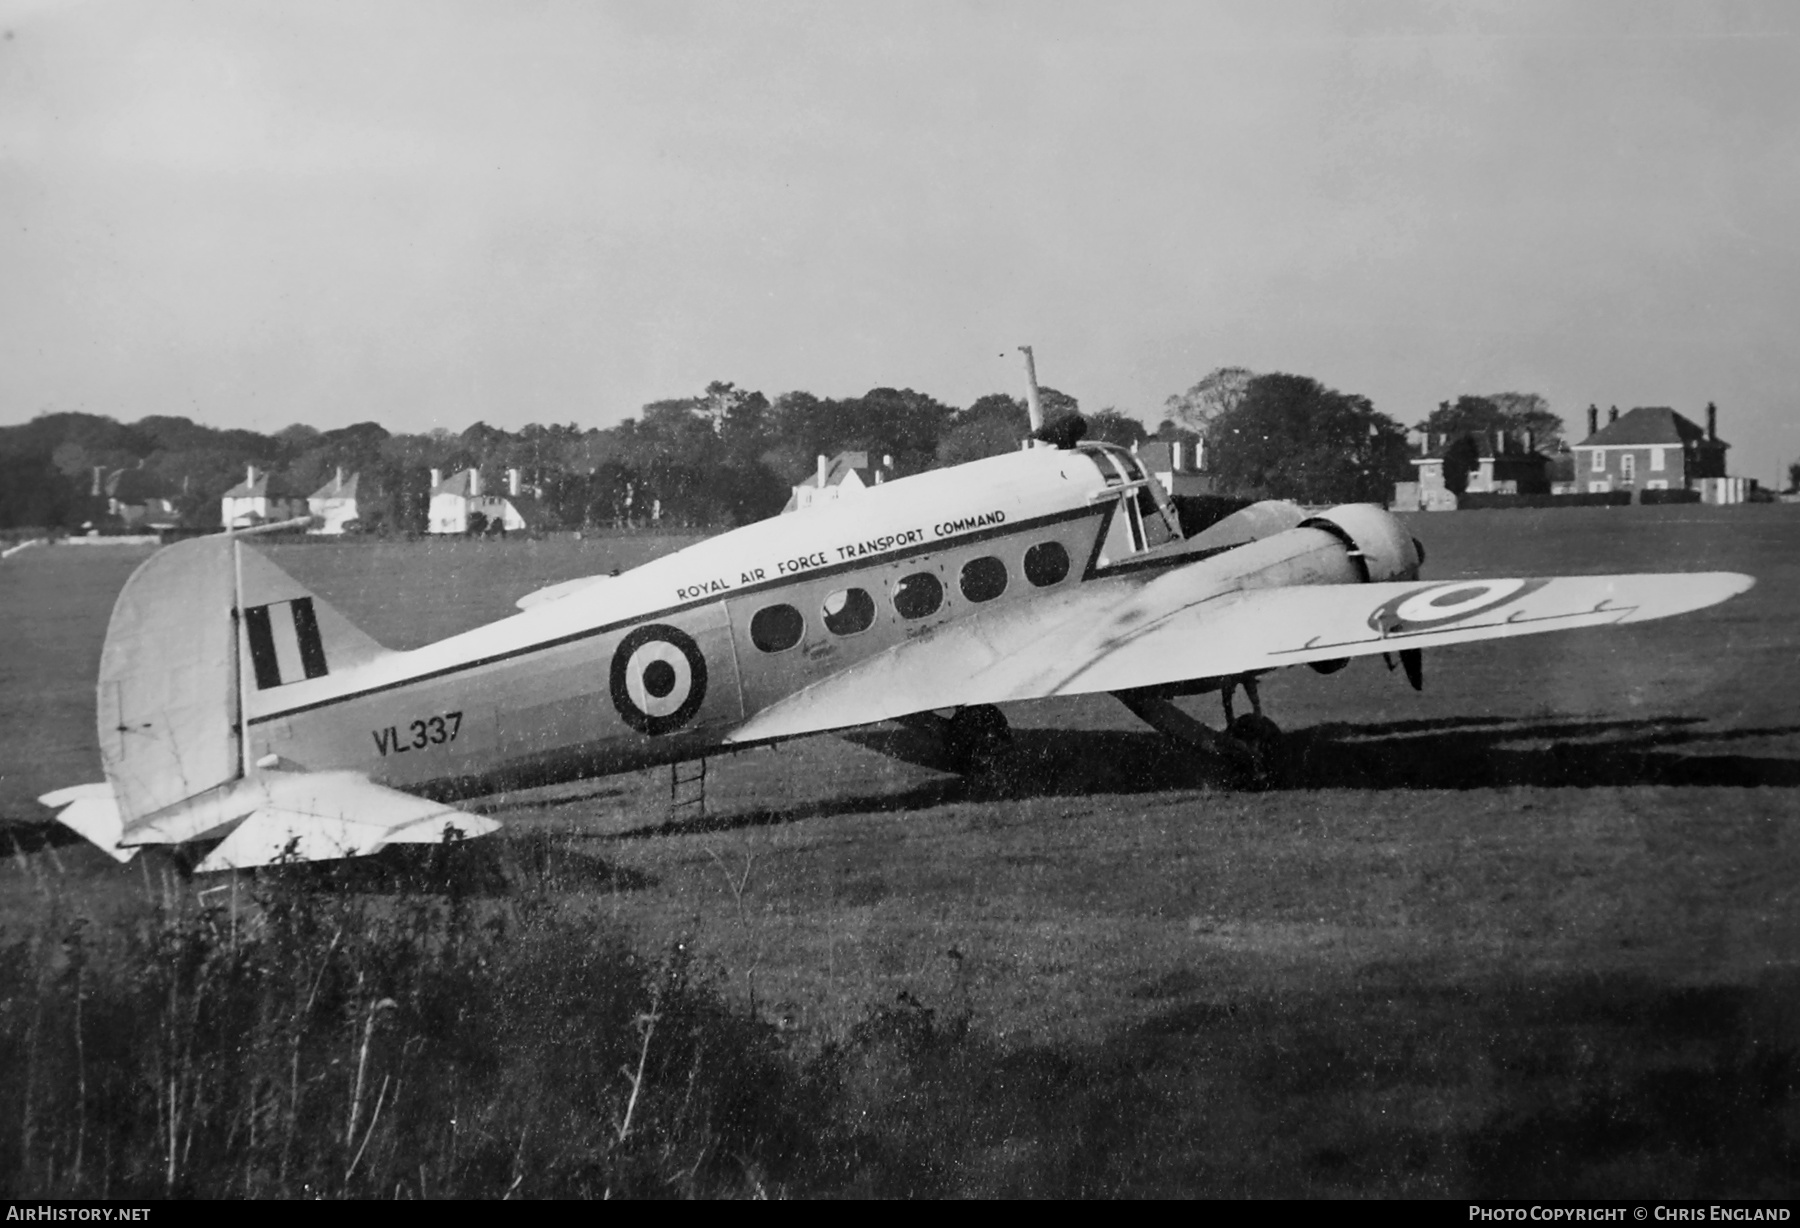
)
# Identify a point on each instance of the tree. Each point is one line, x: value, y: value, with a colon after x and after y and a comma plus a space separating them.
x: 1460, y: 460
x: 1290, y: 437
x: 1513, y: 412
x: 992, y: 426
x: 1219, y: 392
x: 1794, y: 475
x: 1112, y: 426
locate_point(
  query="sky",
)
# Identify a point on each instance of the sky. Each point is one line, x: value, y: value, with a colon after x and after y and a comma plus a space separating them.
x: 429, y: 214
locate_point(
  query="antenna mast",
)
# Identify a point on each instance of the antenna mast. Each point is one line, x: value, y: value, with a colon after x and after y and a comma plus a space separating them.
x: 1034, y: 404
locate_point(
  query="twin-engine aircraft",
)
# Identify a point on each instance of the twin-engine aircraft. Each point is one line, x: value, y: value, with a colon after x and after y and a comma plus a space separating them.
x: 238, y: 710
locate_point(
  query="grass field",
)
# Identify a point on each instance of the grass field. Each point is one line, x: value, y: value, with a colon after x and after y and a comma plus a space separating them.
x: 1530, y: 932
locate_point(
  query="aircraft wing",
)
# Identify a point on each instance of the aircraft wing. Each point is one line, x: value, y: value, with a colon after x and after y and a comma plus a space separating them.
x: 1180, y: 628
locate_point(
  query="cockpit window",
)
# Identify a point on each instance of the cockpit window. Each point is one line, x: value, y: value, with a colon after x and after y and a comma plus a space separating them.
x: 1144, y: 518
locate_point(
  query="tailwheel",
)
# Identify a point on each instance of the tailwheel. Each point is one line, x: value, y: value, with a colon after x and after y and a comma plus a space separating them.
x: 1260, y: 736
x: 978, y: 740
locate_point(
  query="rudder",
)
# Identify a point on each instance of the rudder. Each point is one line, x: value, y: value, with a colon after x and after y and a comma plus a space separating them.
x: 174, y: 671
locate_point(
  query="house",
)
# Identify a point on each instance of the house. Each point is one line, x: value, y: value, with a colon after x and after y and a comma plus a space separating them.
x: 1655, y: 448
x: 1499, y: 464
x: 261, y: 498
x: 137, y: 498
x: 334, y: 505
x: 839, y: 477
x: 455, y: 500
x: 1178, y: 465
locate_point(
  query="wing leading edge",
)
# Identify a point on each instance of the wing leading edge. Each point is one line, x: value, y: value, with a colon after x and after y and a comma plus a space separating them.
x: 1176, y: 630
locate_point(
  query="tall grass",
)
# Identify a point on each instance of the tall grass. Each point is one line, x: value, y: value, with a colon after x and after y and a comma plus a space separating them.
x: 294, y: 1039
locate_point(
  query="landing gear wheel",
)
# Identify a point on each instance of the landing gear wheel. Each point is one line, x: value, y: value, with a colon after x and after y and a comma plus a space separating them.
x: 978, y: 740
x: 1262, y: 738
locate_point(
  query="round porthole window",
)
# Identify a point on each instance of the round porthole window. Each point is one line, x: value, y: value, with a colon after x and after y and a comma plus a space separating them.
x: 918, y: 595
x: 1046, y: 563
x: 983, y: 579
x: 848, y: 611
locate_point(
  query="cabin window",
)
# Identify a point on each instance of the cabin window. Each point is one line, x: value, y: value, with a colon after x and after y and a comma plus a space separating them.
x: 1046, y: 563
x: 848, y: 611
x: 918, y: 595
x: 776, y: 628
x: 983, y: 579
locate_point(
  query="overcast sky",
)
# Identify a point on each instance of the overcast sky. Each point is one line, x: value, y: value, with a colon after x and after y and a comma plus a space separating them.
x: 428, y: 214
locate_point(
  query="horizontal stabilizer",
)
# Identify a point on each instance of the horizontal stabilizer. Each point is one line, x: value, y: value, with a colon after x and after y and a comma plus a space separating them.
x: 91, y: 812
x: 320, y: 816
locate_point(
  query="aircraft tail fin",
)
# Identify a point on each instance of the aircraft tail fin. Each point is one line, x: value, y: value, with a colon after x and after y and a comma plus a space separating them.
x: 198, y: 627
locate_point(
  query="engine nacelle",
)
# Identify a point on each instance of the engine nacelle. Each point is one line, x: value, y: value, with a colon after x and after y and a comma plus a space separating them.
x: 1386, y: 550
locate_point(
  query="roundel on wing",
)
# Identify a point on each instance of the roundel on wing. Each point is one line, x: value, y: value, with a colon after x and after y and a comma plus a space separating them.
x: 1439, y: 605
x: 658, y: 679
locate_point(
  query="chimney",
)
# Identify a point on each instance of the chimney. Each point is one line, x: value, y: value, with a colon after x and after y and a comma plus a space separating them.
x: 1499, y: 443
x: 340, y: 477
x: 1612, y: 415
x: 475, y: 483
x: 512, y: 482
x: 1712, y: 421
x: 1593, y: 419
x: 824, y: 464
x: 249, y: 475
x: 437, y: 478
x: 98, y: 480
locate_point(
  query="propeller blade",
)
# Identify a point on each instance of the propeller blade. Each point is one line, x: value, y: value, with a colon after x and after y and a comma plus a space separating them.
x: 1412, y: 660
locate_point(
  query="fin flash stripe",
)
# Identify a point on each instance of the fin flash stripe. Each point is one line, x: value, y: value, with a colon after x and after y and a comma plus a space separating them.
x: 285, y: 645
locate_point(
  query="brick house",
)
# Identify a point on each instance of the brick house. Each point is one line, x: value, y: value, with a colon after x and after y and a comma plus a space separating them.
x: 1653, y: 448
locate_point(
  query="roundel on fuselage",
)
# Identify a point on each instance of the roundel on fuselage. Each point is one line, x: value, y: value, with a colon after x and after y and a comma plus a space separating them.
x: 658, y: 679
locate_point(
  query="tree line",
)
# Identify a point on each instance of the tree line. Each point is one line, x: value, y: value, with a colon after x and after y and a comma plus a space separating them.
x: 726, y: 456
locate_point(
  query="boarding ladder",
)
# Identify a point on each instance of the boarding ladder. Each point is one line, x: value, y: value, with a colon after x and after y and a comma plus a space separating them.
x: 687, y: 790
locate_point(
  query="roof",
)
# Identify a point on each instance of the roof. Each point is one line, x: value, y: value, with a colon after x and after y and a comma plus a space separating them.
x: 336, y: 489
x: 266, y: 486
x: 841, y: 466
x: 1650, y: 425
x: 460, y: 483
x: 1484, y: 446
x: 531, y: 510
x: 134, y: 486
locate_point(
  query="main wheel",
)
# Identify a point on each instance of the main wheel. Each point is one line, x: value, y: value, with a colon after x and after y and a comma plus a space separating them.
x: 978, y: 739
x: 1262, y: 738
